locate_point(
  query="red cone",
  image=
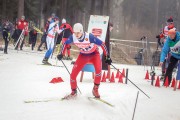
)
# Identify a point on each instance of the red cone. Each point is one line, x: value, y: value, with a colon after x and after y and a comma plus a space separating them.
x: 157, y: 84
x: 120, y: 79
x: 117, y: 74
x: 112, y: 78
x: 179, y: 84
x: 56, y: 80
x: 103, y: 77
x: 108, y: 75
x: 173, y: 82
x: 166, y: 84
x: 147, y: 75
x: 123, y: 72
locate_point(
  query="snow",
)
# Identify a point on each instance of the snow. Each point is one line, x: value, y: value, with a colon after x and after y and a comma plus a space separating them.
x: 23, y: 78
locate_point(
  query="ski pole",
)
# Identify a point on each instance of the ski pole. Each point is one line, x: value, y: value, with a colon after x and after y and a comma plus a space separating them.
x: 69, y: 74
x: 131, y: 81
x: 20, y: 37
x: 135, y: 105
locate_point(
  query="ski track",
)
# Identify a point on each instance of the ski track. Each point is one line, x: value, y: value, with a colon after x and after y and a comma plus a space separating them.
x: 22, y: 79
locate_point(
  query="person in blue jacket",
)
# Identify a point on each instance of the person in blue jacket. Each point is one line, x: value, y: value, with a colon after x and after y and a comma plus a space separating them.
x: 172, y: 46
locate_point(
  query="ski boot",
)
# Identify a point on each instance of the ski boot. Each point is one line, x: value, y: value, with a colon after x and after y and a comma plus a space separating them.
x: 5, y: 52
x: 72, y: 95
x: 64, y: 58
x: 39, y: 49
x: 162, y: 77
x: 95, y: 91
x: 45, y: 61
x: 68, y: 58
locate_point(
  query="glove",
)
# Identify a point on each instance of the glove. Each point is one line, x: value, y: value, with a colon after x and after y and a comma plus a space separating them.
x: 59, y: 57
x: 108, y: 60
x: 9, y: 34
x: 158, y: 36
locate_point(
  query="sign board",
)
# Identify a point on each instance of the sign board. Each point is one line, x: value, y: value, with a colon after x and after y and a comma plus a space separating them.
x: 98, y: 26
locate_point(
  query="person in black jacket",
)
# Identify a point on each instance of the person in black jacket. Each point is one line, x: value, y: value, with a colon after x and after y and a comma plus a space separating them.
x: 32, y: 38
x: 7, y: 30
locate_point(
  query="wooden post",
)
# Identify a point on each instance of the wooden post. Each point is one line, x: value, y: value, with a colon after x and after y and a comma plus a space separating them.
x: 126, y: 75
x: 82, y: 73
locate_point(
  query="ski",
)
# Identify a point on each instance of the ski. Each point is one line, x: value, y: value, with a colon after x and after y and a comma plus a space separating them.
x: 101, y: 100
x: 64, y: 98
x: 43, y: 100
x: 50, y: 65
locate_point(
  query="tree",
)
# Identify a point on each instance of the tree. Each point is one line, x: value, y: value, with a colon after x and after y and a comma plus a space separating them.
x: 20, y: 8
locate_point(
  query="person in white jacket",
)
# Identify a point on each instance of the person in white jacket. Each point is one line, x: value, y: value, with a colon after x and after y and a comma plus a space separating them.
x: 50, y: 40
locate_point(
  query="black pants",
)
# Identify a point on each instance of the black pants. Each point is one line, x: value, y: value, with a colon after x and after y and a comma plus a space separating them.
x: 43, y: 40
x: 33, y: 42
x: 5, y: 37
x: 172, y: 64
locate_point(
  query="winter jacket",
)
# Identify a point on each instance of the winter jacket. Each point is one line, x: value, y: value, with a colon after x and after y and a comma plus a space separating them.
x: 169, y: 47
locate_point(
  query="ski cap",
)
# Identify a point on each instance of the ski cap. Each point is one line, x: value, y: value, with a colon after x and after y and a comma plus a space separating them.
x: 171, y: 31
x: 78, y: 28
x: 23, y: 16
x: 53, y: 15
x: 56, y: 19
x: 63, y: 20
x: 170, y: 20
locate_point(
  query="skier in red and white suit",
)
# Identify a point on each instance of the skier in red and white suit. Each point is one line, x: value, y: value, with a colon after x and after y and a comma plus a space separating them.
x: 67, y: 32
x: 89, y: 53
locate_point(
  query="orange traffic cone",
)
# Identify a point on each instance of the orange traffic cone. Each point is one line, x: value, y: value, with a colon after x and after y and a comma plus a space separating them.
x: 56, y: 80
x: 112, y: 78
x: 123, y: 73
x: 108, y: 75
x: 166, y: 84
x: 120, y: 79
x: 147, y: 75
x: 103, y: 77
x: 157, y: 84
x: 173, y: 82
x: 117, y: 74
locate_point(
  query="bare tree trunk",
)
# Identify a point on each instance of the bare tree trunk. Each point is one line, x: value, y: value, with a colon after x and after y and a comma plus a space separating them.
x: 4, y: 9
x: 101, y: 7
x: 178, y: 12
x: 65, y: 5
x: 20, y: 8
x: 63, y: 8
x: 92, y: 7
x: 42, y: 14
x: 108, y: 7
x: 157, y: 16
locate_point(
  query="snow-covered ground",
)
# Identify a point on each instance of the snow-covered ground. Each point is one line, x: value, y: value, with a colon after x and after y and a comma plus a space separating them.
x: 22, y: 78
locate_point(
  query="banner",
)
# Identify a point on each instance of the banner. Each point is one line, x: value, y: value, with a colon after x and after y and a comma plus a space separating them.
x: 98, y: 26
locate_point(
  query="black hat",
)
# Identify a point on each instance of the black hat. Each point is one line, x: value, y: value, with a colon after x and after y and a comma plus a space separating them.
x: 170, y: 19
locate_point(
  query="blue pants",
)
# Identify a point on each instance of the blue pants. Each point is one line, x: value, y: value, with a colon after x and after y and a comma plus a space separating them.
x: 50, y: 46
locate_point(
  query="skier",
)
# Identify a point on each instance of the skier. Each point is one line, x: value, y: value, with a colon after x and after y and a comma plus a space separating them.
x: 32, y: 38
x: 87, y: 44
x: 43, y: 38
x: 53, y: 29
x: 164, y: 35
x: 7, y: 31
x: 22, y: 25
x: 65, y: 35
x: 170, y: 45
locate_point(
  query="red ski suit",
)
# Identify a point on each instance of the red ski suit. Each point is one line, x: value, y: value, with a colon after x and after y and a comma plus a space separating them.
x: 89, y: 53
x: 67, y: 32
